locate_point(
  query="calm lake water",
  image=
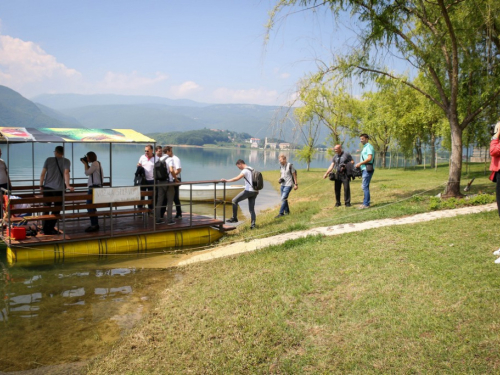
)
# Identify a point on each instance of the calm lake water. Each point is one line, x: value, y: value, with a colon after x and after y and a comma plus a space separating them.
x: 70, y: 312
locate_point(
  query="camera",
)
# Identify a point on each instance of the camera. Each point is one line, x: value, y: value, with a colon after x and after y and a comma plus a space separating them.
x: 281, y: 180
x: 494, y: 128
x: 342, y: 168
x: 84, y: 159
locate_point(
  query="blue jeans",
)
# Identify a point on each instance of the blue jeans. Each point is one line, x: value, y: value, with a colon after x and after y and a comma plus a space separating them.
x: 285, y: 191
x: 245, y: 194
x: 365, y: 185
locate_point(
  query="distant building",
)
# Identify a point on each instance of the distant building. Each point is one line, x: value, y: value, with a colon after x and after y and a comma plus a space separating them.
x: 252, y: 140
x: 284, y: 146
x: 254, y: 145
x: 272, y: 145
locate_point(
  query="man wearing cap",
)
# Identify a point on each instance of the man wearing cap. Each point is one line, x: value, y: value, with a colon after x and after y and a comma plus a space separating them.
x: 366, y: 164
x: 53, y: 180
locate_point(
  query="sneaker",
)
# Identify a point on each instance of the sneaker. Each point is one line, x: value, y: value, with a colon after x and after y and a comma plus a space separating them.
x: 171, y: 222
x: 160, y: 221
x: 348, y: 205
x: 287, y: 213
x: 92, y: 228
x: 232, y: 220
x: 337, y: 204
x: 279, y: 215
x: 497, y: 261
x: 253, y: 227
x: 178, y: 216
x: 362, y: 207
x: 496, y: 252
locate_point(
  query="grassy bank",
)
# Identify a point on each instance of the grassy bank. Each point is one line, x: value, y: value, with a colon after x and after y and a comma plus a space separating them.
x: 394, y: 193
x: 409, y: 299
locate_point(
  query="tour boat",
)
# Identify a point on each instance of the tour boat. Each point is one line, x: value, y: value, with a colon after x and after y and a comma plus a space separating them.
x: 126, y: 225
x: 209, y: 192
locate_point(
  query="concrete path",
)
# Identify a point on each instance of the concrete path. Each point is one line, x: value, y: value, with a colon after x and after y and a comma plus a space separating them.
x: 244, y: 247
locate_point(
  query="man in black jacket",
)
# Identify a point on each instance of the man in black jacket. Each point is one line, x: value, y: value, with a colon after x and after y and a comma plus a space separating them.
x: 342, y: 165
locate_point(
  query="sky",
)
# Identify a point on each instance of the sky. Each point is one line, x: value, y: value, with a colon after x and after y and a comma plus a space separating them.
x: 207, y: 51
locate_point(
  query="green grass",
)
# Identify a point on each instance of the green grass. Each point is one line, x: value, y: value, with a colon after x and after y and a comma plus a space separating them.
x: 394, y: 193
x: 419, y: 298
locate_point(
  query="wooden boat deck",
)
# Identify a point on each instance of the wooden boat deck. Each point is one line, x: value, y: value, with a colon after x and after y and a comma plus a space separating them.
x: 122, y: 226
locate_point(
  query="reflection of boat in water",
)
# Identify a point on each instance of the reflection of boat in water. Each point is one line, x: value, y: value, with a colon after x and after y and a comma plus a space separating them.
x: 205, y: 193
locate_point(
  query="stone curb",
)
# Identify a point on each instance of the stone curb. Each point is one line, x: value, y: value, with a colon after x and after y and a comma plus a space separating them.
x: 335, y: 230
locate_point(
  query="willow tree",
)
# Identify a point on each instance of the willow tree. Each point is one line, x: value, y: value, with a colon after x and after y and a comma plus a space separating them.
x: 327, y: 103
x: 454, y: 44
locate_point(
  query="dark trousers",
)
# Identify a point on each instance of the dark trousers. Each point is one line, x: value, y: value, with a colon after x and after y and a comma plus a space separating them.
x: 148, y: 188
x: 177, y: 201
x: 347, y: 190
x: 93, y: 219
x: 49, y: 225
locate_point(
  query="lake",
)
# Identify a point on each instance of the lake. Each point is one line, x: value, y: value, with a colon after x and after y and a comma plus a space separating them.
x: 68, y: 313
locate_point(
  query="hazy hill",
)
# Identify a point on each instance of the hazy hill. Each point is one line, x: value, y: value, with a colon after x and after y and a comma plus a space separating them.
x: 155, y: 118
x: 66, y: 101
x: 71, y: 121
x: 17, y: 111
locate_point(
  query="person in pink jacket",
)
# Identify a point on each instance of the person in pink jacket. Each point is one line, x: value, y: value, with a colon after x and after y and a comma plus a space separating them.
x: 495, y: 169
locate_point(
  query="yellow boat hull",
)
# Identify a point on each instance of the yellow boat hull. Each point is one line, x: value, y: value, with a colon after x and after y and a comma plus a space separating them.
x: 59, y: 252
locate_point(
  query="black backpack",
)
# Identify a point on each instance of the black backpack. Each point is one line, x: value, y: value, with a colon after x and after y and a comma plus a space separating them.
x: 161, y: 170
x: 257, y: 179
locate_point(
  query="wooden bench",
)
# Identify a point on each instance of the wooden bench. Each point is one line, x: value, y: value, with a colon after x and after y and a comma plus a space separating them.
x: 72, y: 204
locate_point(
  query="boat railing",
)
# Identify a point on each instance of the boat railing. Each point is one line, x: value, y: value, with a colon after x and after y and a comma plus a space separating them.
x: 73, y: 204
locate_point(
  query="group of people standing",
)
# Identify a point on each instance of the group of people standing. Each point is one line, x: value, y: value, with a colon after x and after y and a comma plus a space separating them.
x: 55, y: 178
x: 166, y: 193
x: 342, y: 166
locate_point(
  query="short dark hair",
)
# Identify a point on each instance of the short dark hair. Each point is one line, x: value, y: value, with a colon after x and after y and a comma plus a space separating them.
x: 365, y: 136
x: 59, y: 150
x: 167, y: 149
x: 158, y: 148
x: 91, y: 156
x: 150, y: 147
x: 240, y: 161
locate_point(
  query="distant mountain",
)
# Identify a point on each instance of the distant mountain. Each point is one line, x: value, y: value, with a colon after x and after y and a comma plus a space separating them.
x: 157, y: 118
x: 71, y: 121
x: 17, y: 111
x: 66, y: 101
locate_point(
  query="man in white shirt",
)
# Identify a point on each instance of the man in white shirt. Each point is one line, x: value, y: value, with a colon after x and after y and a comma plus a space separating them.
x: 249, y: 193
x: 147, y: 161
x: 166, y: 191
x: 178, y: 168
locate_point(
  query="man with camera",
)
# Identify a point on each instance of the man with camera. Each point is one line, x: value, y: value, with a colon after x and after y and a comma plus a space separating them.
x: 341, y: 168
x: 93, y: 169
x: 288, y: 180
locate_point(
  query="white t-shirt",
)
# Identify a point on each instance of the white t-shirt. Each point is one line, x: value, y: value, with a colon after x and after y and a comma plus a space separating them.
x: 169, y: 163
x: 177, y: 164
x: 148, y: 165
x: 247, y: 177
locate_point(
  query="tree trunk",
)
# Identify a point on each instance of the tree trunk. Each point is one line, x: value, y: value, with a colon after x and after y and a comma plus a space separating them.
x: 418, y: 150
x: 433, y: 151
x: 453, y: 186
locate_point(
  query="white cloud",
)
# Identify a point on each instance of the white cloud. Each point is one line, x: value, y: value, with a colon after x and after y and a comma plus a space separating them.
x: 185, y: 89
x: 25, y: 63
x: 284, y: 75
x: 251, y: 96
x: 128, y: 83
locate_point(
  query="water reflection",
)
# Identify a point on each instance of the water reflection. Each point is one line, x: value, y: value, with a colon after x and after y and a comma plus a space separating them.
x: 54, y: 315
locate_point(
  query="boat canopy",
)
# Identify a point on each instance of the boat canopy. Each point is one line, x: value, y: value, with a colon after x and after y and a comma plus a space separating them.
x: 77, y: 135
